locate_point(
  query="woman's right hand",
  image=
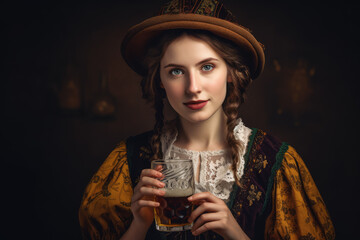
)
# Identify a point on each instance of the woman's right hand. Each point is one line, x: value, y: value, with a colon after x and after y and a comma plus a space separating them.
x: 143, y: 200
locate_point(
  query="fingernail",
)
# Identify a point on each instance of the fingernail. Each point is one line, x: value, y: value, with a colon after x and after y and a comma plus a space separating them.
x: 190, y: 198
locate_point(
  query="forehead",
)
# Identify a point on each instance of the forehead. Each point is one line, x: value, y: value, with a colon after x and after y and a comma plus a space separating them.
x: 189, y: 49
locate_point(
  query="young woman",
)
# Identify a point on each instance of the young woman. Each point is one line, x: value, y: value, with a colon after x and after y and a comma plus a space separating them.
x: 197, y: 62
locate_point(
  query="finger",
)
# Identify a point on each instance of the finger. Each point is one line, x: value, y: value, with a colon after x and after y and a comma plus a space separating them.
x: 204, y: 218
x: 150, y: 173
x: 144, y: 203
x: 147, y: 191
x: 144, y: 192
x: 206, y: 227
x: 149, y: 181
x: 159, y: 168
x: 146, y: 178
x: 207, y: 196
x: 205, y: 207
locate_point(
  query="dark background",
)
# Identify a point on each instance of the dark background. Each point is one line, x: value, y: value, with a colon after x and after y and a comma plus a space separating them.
x: 307, y: 96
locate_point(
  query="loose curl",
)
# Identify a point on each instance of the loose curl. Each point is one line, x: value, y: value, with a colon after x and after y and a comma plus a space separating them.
x: 235, y: 95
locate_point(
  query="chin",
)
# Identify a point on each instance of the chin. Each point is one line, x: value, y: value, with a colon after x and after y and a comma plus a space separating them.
x: 197, y: 117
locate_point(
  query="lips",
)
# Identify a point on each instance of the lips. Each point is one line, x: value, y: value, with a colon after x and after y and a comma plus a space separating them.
x: 196, y: 105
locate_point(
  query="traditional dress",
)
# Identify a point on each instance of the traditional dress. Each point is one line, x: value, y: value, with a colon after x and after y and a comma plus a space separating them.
x: 277, y: 197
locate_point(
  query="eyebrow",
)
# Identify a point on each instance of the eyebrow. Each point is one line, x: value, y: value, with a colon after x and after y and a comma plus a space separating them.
x: 199, y: 63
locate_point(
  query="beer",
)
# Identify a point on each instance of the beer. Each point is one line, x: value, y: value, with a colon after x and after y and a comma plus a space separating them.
x: 174, y: 211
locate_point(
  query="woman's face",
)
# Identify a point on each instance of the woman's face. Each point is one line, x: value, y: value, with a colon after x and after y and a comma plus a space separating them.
x: 194, y: 77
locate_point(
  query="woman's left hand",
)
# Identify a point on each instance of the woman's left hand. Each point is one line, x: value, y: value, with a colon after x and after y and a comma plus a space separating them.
x: 213, y: 214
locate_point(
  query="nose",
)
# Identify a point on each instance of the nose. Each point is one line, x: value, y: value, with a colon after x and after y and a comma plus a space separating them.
x: 193, y: 84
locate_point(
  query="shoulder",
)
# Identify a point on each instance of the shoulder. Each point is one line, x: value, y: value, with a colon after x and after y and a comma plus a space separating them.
x: 127, y: 152
x: 131, y: 142
x: 292, y: 198
x: 139, y: 144
x: 264, y: 143
x: 140, y: 138
x: 272, y: 159
x: 282, y: 154
x: 272, y: 152
x: 139, y: 152
x: 264, y: 157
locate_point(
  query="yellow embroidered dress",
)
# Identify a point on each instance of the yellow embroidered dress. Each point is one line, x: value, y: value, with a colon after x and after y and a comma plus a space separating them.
x: 278, y: 198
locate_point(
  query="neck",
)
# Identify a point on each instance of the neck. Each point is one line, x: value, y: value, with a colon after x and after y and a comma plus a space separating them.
x: 206, y: 135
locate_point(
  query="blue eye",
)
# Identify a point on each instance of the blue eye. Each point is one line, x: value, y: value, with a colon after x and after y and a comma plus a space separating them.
x: 207, y: 67
x: 176, y: 72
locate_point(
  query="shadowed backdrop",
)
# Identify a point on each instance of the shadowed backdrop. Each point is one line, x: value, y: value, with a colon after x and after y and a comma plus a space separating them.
x: 68, y: 98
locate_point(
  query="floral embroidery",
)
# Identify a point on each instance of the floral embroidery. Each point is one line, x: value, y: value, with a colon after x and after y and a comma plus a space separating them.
x: 260, y: 162
x: 207, y: 7
x: 145, y: 153
x: 171, y: 8
x: 251, y: 192
x: 254, y: 195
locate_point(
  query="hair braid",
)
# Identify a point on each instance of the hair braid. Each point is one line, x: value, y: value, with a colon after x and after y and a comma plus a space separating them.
x: 152, y: 92
x: 159, y: 123
x: 231, y: 107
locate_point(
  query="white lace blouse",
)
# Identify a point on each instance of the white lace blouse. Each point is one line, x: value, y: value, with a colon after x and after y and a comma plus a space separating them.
x: 215, y: 174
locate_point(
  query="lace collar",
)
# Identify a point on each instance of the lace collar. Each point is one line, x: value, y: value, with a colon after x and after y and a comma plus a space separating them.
x: 170, y: 134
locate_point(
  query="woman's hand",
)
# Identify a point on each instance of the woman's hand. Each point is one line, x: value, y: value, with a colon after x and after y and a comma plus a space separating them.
x: 213, y: 214
x: 143, y: 201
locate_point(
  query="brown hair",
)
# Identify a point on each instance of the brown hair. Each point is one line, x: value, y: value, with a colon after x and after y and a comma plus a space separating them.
x: 235, y: 95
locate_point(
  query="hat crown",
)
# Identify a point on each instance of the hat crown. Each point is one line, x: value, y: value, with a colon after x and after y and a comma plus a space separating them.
x: 212, y: 8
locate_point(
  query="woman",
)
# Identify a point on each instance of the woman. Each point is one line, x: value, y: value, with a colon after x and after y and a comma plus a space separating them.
x: 196, y: 64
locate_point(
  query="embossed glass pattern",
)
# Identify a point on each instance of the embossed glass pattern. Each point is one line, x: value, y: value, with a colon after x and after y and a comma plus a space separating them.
x: 175, y: 209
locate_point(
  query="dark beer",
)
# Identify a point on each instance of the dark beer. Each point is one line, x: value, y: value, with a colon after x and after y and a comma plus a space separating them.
x: 173, y: 211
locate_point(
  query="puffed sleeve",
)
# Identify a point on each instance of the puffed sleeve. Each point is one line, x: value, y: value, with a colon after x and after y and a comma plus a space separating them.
x: 298, y: 211
x: 105, y: 208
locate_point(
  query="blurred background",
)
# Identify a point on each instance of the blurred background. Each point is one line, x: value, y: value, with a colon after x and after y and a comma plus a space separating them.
x: 68, y: 98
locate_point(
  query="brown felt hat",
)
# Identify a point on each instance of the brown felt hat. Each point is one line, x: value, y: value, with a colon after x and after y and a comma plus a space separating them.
x: 209, y: 15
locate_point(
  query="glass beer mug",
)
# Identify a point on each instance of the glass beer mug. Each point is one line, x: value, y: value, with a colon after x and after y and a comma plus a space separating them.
x: 175, y: 209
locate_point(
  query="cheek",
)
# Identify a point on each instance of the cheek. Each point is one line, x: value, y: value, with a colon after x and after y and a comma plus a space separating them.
x: 173, y: 91
x: 218, y: 86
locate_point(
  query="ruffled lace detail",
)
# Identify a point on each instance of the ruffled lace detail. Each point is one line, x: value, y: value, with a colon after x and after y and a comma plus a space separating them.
x: 212, y: 168
x: 242, y: 133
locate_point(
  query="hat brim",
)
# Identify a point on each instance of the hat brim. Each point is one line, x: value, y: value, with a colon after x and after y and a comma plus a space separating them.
x: 134, y: 45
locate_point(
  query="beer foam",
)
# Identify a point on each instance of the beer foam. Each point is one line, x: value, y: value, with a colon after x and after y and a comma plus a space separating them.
x: 178, y: 192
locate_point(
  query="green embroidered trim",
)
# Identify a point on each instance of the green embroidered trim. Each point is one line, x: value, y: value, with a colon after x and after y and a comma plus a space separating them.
x: 246, y: 157
x: 232, y: 196
x: 279, y: 157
